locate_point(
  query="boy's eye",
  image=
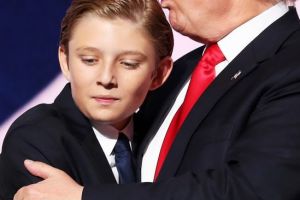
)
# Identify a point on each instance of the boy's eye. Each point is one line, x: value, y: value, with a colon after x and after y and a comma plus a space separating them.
x: 89, y: 61
x: 130, y: 65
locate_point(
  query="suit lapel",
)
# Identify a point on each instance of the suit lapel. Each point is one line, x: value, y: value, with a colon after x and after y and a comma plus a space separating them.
x: 97, y: 156
x: 263, y: 47
x: 80, y: 127
x: 207, y: 101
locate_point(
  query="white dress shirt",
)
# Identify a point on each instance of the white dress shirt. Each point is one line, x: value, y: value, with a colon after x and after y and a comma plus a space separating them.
x: 107, y: 137
x: 231, y: 45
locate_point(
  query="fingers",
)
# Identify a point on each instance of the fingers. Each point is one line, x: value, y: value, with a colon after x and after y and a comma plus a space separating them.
x: 40, y: 169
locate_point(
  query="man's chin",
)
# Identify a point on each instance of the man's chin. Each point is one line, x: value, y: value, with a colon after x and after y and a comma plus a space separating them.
x: 174, y: 23
x: 176, y: 26
x: 180, y: 30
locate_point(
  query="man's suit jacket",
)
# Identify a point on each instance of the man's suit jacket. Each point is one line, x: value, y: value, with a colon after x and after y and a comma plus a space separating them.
x: 242, y: 138
x: 58, y: 134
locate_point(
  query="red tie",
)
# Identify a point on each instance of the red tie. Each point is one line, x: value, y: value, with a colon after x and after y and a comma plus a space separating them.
x: 203, y: 75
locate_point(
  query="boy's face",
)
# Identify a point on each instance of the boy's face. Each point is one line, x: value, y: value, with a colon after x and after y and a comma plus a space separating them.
x: 111, y: 66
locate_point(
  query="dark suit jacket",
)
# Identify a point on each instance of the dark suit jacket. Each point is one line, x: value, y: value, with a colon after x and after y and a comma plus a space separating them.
x: 57, y: 134
x: 242, y: 138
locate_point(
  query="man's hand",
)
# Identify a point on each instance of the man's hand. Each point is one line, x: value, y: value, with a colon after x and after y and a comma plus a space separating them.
x: 57, y: 185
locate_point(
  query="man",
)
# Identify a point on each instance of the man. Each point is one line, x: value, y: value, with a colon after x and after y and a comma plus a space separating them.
x: 241, y: 138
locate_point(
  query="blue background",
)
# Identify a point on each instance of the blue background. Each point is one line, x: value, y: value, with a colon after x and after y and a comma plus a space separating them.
x: 29, y: 37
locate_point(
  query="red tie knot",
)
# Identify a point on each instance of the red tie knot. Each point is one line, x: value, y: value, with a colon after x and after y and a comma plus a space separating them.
x: 212, y: 55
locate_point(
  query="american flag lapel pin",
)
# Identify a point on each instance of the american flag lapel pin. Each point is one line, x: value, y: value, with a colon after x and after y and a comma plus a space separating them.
x: 236, y: 75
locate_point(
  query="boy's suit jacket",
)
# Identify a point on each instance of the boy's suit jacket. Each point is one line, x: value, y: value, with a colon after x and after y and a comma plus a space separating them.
x: 242, y: 138
x: 59, y: 135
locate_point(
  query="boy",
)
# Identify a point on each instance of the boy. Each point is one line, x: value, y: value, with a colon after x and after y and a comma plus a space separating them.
x: 112, y: 53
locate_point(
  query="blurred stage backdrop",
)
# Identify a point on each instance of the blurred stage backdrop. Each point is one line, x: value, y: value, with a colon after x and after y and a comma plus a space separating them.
x: 29, y: 71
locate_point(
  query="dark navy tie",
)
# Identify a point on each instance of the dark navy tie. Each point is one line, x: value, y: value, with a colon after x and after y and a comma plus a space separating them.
x: 124, y: 160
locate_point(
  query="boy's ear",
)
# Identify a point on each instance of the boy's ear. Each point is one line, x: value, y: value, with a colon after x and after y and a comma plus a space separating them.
x: 162, y: 72
x: 63, y: 61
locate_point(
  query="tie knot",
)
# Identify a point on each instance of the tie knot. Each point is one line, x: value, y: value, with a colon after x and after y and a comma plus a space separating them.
x: 122, y: 144
x: 212, y: 55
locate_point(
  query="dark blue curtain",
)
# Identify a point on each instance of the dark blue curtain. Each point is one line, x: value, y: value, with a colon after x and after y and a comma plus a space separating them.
x: 29, y: 34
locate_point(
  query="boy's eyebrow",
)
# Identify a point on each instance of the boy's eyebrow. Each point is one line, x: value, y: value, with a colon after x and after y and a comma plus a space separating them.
x: 137, y: 53
x: 87, y: 49
x: 122, y: 53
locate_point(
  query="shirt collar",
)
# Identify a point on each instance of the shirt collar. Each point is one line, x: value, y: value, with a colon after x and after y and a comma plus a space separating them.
x: 247, y: 32
x: 107, y: 136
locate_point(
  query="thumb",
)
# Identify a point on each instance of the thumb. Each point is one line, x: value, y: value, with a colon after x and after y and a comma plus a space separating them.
x: 41, y: 169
